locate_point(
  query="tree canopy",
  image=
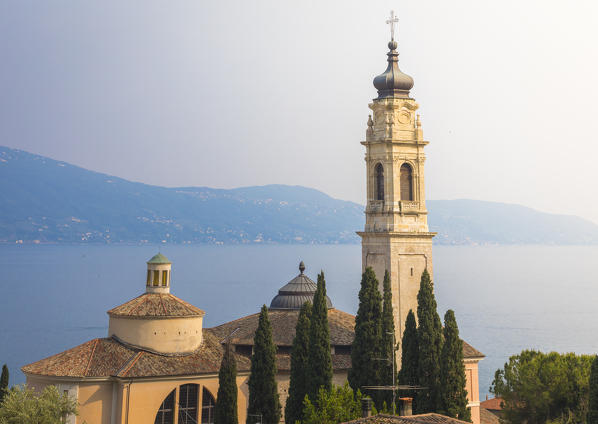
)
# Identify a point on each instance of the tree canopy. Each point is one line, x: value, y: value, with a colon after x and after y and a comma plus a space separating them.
x: 263, y: 390
x: 3, y: 382
x: 226, y: 403
x: 300, y: 369
x: 452, y: 372
x: 539, y: 387
x: 388, y: 343
x: 333, y: 406
x: 409, y: 352
x: 365, y: 371
x: 320, y: 360
x: 22, y: 405
x: 593, y: 401
x: 429, y: 335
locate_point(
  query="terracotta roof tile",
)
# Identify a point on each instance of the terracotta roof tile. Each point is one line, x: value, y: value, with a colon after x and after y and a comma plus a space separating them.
x: 492, y: 404
x: 108, y: 357
x: 412, y: 419
x: 487, y: 417
x: 283, y: 327
x: 159, y: 305
x: 471, y: 352
x: 283, y: 322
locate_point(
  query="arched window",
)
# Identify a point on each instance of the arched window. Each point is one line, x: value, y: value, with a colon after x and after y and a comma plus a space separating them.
x: 207, y: 407
x: 406, y: 182
x: 164, y: 278
x: 165, y: 413
x: 379, y: 185
x: 188, y: 400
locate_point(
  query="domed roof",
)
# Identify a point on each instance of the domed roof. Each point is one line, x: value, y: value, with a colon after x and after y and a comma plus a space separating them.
x: 393, y: 82
x: 159, y: 259
x: 296, y: 292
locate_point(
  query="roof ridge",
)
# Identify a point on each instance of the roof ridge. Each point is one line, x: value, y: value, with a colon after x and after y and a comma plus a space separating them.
x: 238, y: 319
x: 93, y: 351
x: 138, y: 303
x: 123, y: 372
x: 182, y: 302
x: 162, y: 303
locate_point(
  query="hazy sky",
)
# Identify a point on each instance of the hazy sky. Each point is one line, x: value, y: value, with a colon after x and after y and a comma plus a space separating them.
x: 226, y: 94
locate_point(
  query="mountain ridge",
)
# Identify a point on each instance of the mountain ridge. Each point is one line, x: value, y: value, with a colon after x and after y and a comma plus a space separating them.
x: 44, y: 200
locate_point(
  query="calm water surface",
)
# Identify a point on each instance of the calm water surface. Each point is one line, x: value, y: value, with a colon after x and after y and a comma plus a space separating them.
x: 506, y: 298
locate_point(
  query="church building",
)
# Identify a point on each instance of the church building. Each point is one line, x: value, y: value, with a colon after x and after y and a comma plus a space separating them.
x: 158, y: 364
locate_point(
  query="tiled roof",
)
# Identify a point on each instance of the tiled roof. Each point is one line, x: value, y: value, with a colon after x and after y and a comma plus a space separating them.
x: 159, y: 259
x: 159, y: 305
x: 342, y: 329
x: 339, y: 362
x: 283, y: 327
x: 411, y: 419
x: 492, y: 404
x: 471, y: 352
x: 108, y: 357
x: 487, y: 417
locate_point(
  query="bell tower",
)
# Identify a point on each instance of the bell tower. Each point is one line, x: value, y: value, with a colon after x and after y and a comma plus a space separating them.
x: 396, y: 235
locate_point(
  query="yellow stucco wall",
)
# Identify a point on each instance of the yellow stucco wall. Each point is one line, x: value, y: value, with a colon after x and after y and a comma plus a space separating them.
x: 473, y: 388
x: 160, y: 335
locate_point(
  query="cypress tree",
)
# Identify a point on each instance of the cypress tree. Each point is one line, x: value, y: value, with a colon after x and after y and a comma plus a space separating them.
x: 263, y: 390
x: 368, y: 336
x: 388, y: 347
x: 320, y: 360
x: 299, y: 379
x: 452, y: 372
x: 410, y: 353
x: 429, y: 336
x: 3, y: 382
x: 593, y: 404
x: 226, y: 403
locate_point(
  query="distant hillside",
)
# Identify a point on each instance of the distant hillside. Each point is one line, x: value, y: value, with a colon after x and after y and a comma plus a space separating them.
x: 47, y: 201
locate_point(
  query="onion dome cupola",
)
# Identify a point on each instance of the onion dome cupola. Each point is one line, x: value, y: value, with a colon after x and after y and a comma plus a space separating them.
x: 393, y: 82
x: 296, y: 292
x: 158, y: 274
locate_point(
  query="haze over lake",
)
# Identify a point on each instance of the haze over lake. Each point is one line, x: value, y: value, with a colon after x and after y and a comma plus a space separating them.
x: 506, y: 298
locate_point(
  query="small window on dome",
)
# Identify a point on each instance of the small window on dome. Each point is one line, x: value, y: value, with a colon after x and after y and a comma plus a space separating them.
x: 164, y: 278
x: 156, y: 281
x: 149, y: 278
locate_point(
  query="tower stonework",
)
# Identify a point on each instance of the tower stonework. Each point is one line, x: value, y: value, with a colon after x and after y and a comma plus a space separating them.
x: 396, y: 235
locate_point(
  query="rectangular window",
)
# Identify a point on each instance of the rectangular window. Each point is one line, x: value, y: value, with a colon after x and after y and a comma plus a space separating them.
x: 156, y: 278
x: 149, y: 278
x: 164, y: 278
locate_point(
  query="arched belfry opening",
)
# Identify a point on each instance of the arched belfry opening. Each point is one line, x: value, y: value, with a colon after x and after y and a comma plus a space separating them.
x: 379, y: 182
x: 406, y: 182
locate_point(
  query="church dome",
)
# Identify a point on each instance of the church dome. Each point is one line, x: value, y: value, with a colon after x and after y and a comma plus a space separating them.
x: 296, y: 292
x: 393, y: 82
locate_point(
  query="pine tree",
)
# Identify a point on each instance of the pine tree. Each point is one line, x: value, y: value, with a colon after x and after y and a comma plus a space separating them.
x: 320, y: 360
x: 299, y: 379
x: 3, y: 382
x: 593, y: 404
x: 368, y: 336
x: 410, y: 354
x: 452, y: 372
x: 388, y: 346
x: 263, y: 390
x: 226, y: 404
x: 429, y: 336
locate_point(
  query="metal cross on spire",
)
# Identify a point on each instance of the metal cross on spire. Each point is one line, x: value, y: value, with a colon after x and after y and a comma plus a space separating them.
x: 391, y: 21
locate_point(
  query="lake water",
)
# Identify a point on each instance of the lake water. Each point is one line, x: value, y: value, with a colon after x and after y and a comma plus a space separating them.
x: 506, y: 298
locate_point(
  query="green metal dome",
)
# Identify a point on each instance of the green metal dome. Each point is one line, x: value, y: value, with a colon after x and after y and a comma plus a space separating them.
x: 159, y: 259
